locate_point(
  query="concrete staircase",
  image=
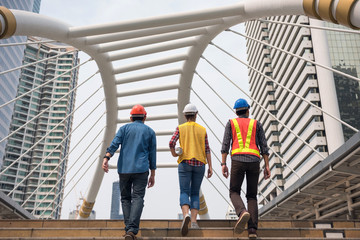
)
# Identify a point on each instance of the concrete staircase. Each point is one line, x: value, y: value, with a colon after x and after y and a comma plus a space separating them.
x: 169, y: 229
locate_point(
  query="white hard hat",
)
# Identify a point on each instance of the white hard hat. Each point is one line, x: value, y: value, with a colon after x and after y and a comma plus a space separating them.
x: 178, y: 151
x: 190, y: 108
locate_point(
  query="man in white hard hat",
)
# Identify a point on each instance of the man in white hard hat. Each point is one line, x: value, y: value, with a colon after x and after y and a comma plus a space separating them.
x: 196, y: 153
x: 247, y: 139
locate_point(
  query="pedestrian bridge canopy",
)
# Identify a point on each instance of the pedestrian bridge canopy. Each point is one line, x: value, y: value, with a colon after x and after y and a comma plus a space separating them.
x: 159, y: 62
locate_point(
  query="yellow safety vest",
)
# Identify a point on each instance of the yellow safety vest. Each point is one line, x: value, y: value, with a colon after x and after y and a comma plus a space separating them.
x: 192, y: 141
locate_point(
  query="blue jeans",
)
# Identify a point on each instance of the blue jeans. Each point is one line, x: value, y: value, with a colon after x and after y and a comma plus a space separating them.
x: 190, y: 178
x: 132, y: 192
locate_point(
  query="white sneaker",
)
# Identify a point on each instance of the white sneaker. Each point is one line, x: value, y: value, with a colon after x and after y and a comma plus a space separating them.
x: 185, y: 225
x: 194, y: 225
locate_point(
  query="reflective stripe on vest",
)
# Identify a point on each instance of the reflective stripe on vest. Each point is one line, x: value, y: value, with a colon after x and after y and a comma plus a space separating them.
x: 245, y: 148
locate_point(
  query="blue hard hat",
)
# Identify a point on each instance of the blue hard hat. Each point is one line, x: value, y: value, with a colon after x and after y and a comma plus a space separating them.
x: 241, y: 104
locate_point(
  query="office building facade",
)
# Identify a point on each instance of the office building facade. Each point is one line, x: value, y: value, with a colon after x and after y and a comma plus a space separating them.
x: 40, y: 130
x: 11, y: 57
x: 344, y: 52
x: 231, y: 214
x: 292, y: 126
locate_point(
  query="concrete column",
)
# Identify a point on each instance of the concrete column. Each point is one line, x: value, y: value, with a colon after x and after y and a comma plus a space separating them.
x: 316, y: 209
x: 328, y: 97
x: 272, y: 196
x: 349, y: 202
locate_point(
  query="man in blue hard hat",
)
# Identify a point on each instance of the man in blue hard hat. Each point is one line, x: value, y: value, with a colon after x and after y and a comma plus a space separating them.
x: 247, y: 140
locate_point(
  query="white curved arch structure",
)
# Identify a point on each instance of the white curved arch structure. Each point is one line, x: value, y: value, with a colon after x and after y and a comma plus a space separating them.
x: 189, y: 32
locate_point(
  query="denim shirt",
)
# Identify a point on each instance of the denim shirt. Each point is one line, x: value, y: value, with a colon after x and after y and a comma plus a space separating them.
x: 138, y: 148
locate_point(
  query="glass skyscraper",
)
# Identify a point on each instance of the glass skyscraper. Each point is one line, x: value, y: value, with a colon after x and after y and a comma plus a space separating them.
x: 10, y: 58
x: 36, y: 6
x: 344, y: 51
x: 40, y: 130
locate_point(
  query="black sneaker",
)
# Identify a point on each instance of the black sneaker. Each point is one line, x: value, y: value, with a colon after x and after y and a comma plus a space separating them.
x: 185, y: 225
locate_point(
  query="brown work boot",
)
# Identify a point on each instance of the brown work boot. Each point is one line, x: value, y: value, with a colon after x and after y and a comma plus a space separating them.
x: 130, y: 236
x: 252, y: 233
x: 243, y: 219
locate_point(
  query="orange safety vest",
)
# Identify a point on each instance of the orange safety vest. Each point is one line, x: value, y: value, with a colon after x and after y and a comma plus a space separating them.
x: 244, y: 136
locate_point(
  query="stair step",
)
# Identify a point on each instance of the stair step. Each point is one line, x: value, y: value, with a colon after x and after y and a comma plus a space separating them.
x: 168, y: 223
x: 175, y: 238
x: 171, y: 232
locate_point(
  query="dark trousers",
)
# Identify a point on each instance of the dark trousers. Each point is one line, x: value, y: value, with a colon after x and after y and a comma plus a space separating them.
x: 238, y: 171
x: 132, y: 192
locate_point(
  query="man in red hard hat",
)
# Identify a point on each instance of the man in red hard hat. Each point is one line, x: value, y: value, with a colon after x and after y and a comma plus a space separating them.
x: 247, y: 139
x: 137, y: 156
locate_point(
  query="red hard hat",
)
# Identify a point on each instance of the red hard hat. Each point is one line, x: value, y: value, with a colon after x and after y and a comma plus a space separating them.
x: 138, y: 110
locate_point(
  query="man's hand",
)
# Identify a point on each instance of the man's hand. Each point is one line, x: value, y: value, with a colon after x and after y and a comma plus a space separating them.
x: 105, y: 165
x: 151, y: 181
x: 224, y: 168
x: 210, y: 172
x: 225, y: 171
x: 267, y: 172
x: 173, y: 153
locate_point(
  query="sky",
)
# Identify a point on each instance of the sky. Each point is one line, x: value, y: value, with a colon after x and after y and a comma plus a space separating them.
x: 161, y: 201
